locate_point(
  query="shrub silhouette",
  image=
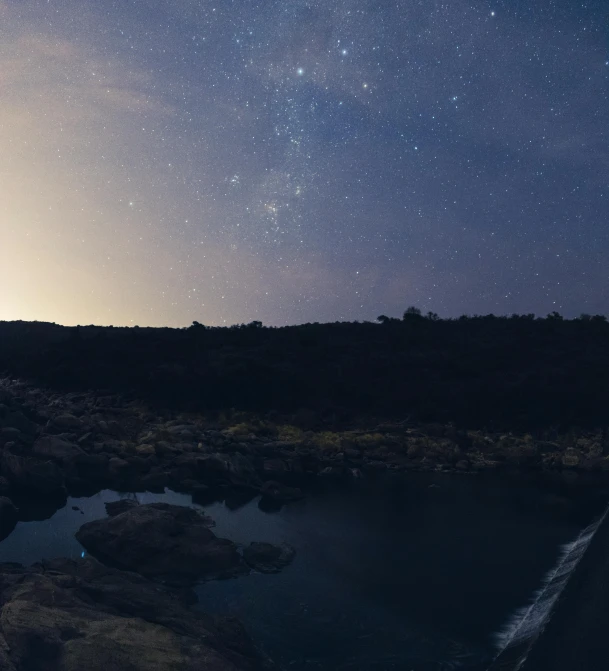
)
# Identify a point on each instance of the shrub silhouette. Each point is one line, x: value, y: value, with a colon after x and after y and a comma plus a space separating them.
x: 517, y: 372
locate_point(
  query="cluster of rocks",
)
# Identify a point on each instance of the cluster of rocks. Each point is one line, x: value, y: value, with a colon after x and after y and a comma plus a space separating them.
x: 127, y: 605
x: 53, y: 443
x: 131, y: 610
x: 67, y: 615
x: 173, y: 545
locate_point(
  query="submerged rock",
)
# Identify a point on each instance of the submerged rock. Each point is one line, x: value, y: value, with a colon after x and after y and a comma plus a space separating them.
x: 172, y: 544
x: 73, y: 615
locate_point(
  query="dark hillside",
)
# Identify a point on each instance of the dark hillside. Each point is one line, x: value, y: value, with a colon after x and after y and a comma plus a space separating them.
x: 502, y: 372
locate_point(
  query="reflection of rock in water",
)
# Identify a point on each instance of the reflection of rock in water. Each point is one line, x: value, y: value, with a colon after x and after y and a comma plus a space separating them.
x: 517, y: 638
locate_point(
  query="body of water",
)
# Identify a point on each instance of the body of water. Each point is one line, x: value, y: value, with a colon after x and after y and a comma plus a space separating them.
x: 418, y: 573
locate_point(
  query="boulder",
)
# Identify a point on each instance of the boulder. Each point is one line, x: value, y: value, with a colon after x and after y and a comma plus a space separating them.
x: 571, y: 458
x: 70, y: 616
x: 268, y: 558
x: 54, y: 447
x: 117, y: 507
x: 8, y: 517
x: 279, y: 492
x: 19, y: 421
x: 235, y: 469
x: 9, y: 434
x: 67, y: 421
x: 29, y: 474
x: 145, y: 450
x: 172, y: 544
x: 119, y: 469
x: 274, y: 466
x: 163, y: 449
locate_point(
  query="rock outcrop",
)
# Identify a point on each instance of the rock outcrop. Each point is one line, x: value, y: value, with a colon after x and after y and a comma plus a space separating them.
x: 171, y: 544
x: 74, y: 615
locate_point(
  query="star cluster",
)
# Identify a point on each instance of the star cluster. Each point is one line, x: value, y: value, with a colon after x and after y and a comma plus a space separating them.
x: 292, y: 161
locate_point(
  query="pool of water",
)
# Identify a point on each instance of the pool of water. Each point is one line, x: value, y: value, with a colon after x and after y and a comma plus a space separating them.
x: 416, y: 573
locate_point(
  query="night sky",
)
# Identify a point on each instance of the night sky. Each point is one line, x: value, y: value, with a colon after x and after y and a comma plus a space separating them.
x: 164, y: 161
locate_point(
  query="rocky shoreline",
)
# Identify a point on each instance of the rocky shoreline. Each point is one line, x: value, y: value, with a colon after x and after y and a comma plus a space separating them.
x: 53, y: 444
x: 132, y: 610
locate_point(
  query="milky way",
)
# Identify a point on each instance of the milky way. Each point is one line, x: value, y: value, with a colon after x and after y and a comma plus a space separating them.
x: 287, y: 161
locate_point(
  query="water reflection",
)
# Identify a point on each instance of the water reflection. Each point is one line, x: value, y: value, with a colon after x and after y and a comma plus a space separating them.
x: 413, y: 573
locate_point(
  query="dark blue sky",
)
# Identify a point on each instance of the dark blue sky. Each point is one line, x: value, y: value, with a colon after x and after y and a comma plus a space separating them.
x: 293, y: 161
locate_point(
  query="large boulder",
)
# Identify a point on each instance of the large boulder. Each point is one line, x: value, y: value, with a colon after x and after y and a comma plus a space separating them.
x: 70, y: 616
x: 54, y: 447
x: 172, y: 544
x: 67, y: 422
x: 32, y: 475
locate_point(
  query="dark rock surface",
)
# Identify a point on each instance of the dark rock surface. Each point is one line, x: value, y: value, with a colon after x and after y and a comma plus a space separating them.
x: 31, y: 474
x: 168, y: 543
x: 280, y: 492
x: 114, y: 508
x: 75, y: 615
x: 268, y: 558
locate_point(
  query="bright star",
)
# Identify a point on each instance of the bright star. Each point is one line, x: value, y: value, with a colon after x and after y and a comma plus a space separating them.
x: 344, y: 52
x: 300, y: 72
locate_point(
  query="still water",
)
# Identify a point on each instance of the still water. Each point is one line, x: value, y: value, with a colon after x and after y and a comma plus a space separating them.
x: 416, y: 573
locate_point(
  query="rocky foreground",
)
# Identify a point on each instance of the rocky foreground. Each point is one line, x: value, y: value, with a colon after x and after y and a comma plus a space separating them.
x: 74, y: 615
x: 69, y: 615
x: 127, y: 605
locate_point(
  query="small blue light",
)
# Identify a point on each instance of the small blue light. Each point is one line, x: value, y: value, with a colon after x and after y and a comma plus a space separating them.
x: 82, y: 554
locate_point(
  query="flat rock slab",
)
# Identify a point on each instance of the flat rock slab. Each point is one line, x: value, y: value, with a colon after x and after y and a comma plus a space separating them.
x: 168, y: 543
x: 72, y: 615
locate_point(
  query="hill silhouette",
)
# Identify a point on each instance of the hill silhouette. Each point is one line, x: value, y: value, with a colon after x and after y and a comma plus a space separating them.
x: 506, y: 373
